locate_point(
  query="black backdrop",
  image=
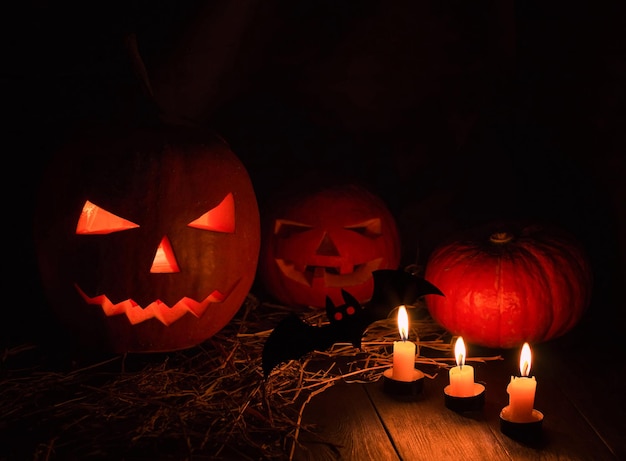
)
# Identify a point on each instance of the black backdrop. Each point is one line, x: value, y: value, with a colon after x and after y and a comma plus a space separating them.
x: 453, y: 112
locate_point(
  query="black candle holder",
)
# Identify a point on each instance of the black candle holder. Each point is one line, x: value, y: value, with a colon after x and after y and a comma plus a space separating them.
x: 470, y: 403
x: 403, y: 388
x: 527, y: 432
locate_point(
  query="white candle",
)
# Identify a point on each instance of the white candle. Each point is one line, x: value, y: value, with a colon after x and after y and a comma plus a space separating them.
x: 461, y: 376
x: 522, y: 390
x: 403, y: 351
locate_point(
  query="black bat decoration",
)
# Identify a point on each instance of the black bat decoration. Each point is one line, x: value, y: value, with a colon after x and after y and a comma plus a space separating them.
x: 293, y: 338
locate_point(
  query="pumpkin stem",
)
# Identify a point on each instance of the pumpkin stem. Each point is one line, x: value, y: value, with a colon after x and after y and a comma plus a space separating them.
x: 138, y: 65
x: 501, y: 237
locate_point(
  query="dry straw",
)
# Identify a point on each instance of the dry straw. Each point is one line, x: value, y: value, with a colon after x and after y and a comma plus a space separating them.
x: 209, y: 402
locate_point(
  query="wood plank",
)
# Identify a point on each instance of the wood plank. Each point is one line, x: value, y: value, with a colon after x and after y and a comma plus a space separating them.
x: 579, y: 389
x: 346, y: 427
x: 424, y: 429
x: 593, y: 380
x: 566, y: 432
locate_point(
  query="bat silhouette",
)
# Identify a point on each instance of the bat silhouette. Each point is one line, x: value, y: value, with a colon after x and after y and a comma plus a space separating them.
x: 293, y: 338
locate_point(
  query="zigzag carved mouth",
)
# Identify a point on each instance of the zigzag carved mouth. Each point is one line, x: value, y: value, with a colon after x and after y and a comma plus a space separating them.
x: 156, y: 309
x: 331, y: 276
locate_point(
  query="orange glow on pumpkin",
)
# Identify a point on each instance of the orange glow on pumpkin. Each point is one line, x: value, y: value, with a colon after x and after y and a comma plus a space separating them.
x: 96, y: 220
x: 164, y: 251
x: 320, y: 241
x: 157, y: 309
x: 508, y: 283
x: 219, y: 219
x: 164, y: 260
x: 332, y: 269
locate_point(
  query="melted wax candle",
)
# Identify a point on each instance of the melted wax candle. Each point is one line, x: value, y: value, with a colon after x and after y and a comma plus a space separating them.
x: 522, y: 391
x: 403, y: 351
x: 461, y: 376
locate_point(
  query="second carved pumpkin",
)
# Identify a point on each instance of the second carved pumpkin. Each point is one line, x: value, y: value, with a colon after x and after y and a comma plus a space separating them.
x: 325, y: 240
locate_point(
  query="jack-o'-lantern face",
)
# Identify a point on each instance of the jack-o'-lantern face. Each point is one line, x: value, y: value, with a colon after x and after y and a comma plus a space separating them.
x: 148, y: 242
x: 329, y: 240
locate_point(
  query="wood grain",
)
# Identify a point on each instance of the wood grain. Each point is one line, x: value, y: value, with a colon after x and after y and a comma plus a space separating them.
x: 362, y: 421
x: 346, y: 427
x: 425, y: 429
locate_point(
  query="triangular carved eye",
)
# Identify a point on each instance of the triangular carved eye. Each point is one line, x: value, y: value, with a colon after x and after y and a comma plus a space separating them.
x: 96, y: 220
x: 370, y: 228
x: 219, y: 219
x: 284, y: 228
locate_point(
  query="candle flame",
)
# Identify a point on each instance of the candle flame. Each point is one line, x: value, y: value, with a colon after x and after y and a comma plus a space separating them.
x: 525, y: 359
x: 459, y: 351
x: 403, y: 323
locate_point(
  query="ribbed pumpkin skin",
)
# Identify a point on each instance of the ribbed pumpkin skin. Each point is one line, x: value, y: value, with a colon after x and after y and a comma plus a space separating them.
x: 501, y: 293
x: 162, y: 180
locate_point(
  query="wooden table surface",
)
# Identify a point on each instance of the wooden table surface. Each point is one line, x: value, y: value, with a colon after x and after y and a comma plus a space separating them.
x: 580, y: 391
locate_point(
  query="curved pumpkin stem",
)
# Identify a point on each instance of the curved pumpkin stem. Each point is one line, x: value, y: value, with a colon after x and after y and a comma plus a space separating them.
x: 138, y: 65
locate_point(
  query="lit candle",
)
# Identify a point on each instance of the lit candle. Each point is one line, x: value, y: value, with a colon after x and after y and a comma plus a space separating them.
x: 522, y: 390
x: 403, y: 351
x: 461, y: 376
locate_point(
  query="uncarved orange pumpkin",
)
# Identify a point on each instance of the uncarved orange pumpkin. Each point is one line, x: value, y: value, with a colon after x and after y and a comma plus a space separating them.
x: 147, y: 240
x: 506, y: 284
x: 324, y: 240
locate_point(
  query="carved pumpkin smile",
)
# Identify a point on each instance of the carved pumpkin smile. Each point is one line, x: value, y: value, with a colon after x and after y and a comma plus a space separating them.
x: 325, y: 240
x: 156, y: 309
x: 95, y: 220
x: 151, y: 241
x: 330, y: 276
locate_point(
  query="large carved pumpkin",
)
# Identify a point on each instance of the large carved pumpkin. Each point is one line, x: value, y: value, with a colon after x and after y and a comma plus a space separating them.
x: 324, y: 240
x: 504, y: 285
x: 148, y: 240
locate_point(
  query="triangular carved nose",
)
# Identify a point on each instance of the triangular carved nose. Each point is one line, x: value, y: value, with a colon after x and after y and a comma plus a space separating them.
x: 327, y: 247
x: 164, y: 261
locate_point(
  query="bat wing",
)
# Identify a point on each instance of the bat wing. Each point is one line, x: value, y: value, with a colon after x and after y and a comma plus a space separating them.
x: 393, y: 288
x: 293, y: 338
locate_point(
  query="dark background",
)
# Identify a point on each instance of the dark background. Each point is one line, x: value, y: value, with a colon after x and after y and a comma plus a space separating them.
x: 454, y: 112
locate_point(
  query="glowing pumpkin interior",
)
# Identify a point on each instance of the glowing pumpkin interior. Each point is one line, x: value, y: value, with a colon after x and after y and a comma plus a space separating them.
x: 326, y: 240
x: 95, y: 220
x: 163, y: 240
x: 328, y: 267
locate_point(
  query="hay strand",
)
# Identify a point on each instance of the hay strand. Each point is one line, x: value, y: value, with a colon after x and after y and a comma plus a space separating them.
x: 209, y: 402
